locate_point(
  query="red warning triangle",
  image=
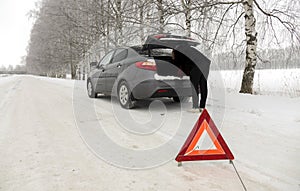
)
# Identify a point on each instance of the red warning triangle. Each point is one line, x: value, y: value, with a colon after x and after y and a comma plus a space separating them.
x: 191, y: 151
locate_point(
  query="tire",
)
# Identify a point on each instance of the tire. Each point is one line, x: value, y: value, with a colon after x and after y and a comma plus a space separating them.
x: 90, y: 90
x: 176, y: 99
x: 181, y: 99
x: 124, y: 96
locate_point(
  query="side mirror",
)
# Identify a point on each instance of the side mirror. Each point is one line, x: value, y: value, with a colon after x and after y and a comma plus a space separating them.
x: 93, y: 64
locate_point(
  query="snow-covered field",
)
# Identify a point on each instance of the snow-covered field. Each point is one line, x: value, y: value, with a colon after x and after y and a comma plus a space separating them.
x: 45, y: 145
x: 284, y: 82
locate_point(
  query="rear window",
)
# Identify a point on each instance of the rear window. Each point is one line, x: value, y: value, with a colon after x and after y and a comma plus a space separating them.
x: 164, y: 51
x: 161, y: 52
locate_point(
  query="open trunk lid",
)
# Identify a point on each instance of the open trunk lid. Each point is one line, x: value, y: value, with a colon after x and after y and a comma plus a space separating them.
x: 185, y: 46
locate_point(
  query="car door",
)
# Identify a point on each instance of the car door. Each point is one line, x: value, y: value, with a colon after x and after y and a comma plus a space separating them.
x: 99, y: 73
x: 114, y: 68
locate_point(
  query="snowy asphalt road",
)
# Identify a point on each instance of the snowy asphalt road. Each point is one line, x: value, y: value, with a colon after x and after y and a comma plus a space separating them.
x: 41, y: 147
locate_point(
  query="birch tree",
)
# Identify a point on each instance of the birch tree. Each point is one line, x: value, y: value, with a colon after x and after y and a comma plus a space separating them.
x: 188, y: 15
x: 160, y: 15
x: 251, y: 41
x: 286, y: 17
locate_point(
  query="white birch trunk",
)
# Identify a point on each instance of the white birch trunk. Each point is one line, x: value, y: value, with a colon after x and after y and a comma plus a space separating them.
x: 187, y: 12
x: 142, y: 20
x: 251, y: 58
x: 119, y: 39
x: 160, y: 15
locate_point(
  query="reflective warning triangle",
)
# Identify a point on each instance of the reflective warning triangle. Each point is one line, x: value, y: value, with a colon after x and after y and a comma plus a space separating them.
x: 191, y: 150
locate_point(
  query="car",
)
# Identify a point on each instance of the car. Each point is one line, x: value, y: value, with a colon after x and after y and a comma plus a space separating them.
x: 142, y: 72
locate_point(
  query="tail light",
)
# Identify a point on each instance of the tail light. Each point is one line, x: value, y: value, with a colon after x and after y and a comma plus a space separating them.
x: 162, y: 91
x: 146, y: 65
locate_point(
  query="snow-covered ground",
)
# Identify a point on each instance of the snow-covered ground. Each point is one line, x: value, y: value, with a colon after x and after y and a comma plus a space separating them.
x: 45, y: 145
x: 3, y: 75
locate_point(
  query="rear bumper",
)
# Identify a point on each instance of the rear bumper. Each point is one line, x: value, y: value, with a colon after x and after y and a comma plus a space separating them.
x: 158, y: 88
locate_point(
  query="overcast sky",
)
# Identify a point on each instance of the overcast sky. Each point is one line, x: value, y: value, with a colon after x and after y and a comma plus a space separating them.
x: 15, y: 30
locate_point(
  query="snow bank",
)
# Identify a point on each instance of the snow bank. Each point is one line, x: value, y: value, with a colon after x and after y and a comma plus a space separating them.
x: 59, y: 81
x: 266, y: 82
x: 3, y: 75
x: 4, y: 78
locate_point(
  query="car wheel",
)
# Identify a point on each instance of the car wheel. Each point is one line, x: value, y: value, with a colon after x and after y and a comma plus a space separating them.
x: 176, y: 99
x: 181, y: 99
x: 124, y: 95
x: 90, y: 90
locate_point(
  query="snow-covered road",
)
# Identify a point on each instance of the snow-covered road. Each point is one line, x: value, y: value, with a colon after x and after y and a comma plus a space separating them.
x: 43, y: 147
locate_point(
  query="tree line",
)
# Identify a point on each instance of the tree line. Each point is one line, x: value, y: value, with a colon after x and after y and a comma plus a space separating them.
x: 284, y: 58
x: 10, y: 69
x: 70, y: 33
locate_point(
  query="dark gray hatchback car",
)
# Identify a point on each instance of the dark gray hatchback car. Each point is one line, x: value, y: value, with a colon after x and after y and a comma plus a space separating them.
x: 148, y: 71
